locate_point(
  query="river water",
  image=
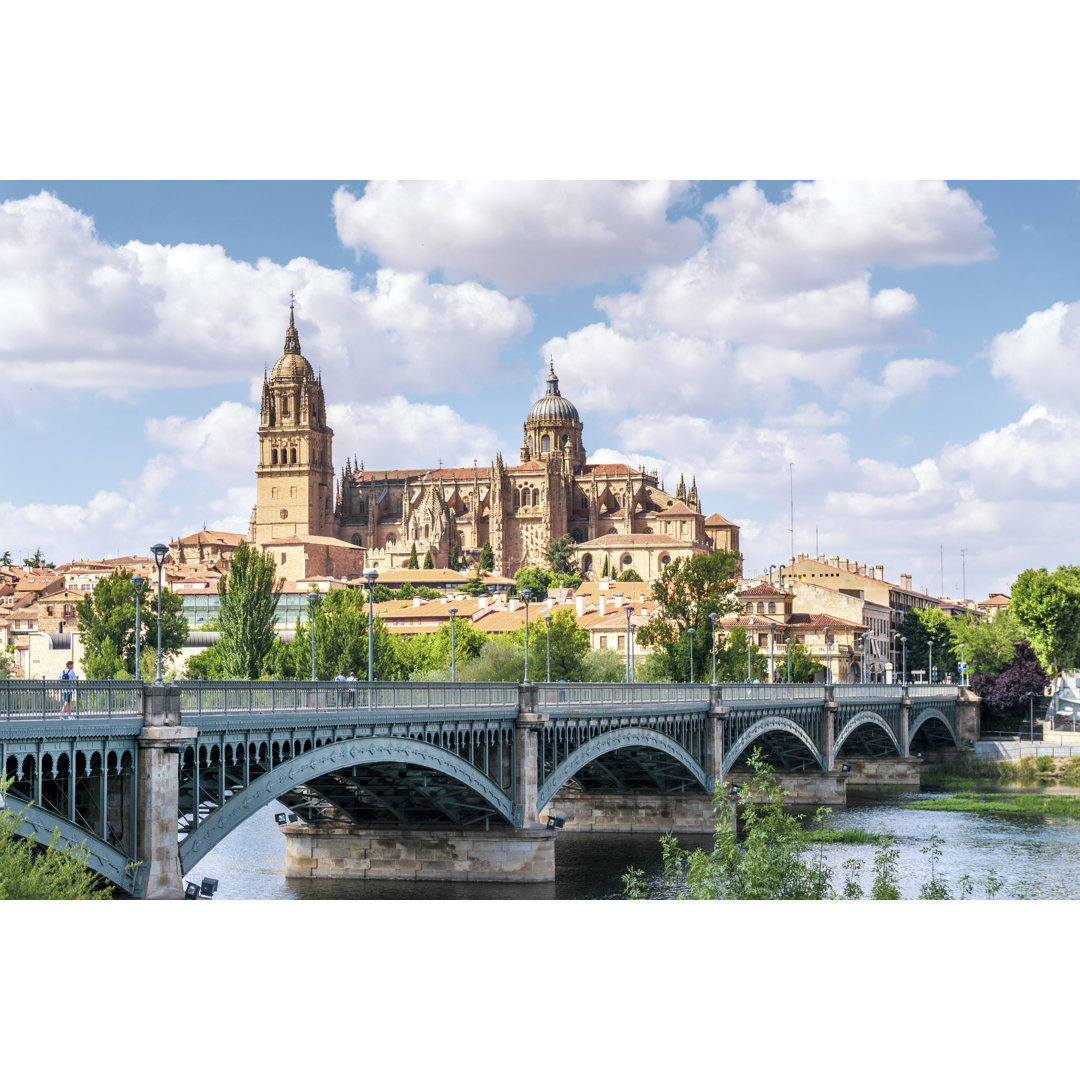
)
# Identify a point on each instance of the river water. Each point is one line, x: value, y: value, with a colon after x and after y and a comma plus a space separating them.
x: 1040, y: 861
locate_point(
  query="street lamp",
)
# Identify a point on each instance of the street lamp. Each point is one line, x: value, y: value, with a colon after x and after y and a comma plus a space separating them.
x: 963, y: 666
x: 690, y: 631
x: 930, y: 662
x: 628, y: 608
x: 828, y: 656
x: 903, y: 670
x: 1031, y: 714
x: 748, y: 635
x: 547, y: 625
x: 526, y: 595
x: 712, y: 619
x: 371, y: 575
x: 453, y: 656
x: 311, y: 598
x: 138, y: 581
x: 159, y: 551
x: 772, y: 660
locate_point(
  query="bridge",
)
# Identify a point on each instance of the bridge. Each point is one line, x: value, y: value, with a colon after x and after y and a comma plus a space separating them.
x: 423, y: 779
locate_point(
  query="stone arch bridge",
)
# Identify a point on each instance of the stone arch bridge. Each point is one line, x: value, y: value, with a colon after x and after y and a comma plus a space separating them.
x: 418, y: 779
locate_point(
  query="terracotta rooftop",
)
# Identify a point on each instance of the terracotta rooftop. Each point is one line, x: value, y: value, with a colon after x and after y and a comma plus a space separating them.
x: 716, y: 519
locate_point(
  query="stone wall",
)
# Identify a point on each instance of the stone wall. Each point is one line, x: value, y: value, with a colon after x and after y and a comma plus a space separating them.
x: 883, y: 772
x: 650, y: 812
x: 412, y: 855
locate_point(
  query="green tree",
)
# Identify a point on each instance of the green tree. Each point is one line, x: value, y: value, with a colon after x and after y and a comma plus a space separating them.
x: 1047, y: 607
x: 205, y: 665
x: 37, y: 561
x: 29, y: 871
x: 453, y: 557
x: 926, y: 627
x: 606, y: 572
x: 569, y: 645
x: 487, y: 557
x: 804, y: 665
x: 106, y: 621
x: 688, y: 591
x: 475, y: 585
x: 989, y: 644
x: 536, y: 579
x: 630, y: 574
x: 414, y: 562
x: 5, y: 559
x: 429, y: 562
x: 731, y: 658
x: 6, y: 665
x: 561, y: 554
x: 249, y: 596
x: 605, y: 665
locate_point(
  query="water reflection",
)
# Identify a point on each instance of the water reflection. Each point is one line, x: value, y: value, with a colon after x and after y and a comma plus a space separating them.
x: 1039, y: 860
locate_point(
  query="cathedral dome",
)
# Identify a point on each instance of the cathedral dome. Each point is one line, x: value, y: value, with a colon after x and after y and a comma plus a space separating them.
x: 553, y: 406
x: 292, y: 365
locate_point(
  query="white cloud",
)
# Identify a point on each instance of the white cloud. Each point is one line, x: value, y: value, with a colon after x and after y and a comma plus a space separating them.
x: 898, y: 378
x: 86, y: 315
x: 1040, y: 358
x: 521, y: 235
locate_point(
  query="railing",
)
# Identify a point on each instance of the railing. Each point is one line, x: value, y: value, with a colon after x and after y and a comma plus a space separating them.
x: 217, y: 698
x: 867, y: 692
x: 730, y: 693
x: 621, y: 693
x: 26, y: 699
x: 933, y: 690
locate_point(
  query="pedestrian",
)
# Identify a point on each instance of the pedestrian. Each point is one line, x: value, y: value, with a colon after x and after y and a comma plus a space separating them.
x: 68, y: 675
x: 340, y: 677
x: 352, y: 693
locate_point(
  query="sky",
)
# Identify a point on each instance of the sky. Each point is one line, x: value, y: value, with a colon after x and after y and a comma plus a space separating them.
x: 887, y: 366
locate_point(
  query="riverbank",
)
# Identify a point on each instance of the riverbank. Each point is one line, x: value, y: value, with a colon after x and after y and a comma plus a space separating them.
x: 973, y: 773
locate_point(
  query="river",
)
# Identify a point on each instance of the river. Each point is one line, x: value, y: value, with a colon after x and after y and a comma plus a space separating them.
x: 1040, y: 861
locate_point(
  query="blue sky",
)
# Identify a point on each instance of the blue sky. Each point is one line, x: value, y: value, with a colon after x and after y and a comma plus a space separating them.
x: 909, y: 345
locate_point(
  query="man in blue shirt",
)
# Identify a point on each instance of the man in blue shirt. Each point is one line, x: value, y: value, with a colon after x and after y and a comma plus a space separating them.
x: 68, y: 674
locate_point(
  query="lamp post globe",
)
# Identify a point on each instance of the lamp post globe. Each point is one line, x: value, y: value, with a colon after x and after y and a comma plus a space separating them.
x: 690, y: 631
x: 159, y: 551
x: 371, y: 575
x: 138, y: 581
x: 453, y: 650
x: 312, y: 598
x: 547, y: 624
x: 903, y: 670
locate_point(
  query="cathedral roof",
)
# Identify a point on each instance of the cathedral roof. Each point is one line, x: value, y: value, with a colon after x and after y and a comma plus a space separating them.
x: 292, y: 366
x: 553, y: 406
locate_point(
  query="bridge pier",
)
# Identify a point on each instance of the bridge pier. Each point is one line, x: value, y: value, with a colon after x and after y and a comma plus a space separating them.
x: 158, y: 783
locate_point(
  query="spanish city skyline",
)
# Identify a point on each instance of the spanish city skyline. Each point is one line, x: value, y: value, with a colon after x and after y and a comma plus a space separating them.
x: 908, y: 346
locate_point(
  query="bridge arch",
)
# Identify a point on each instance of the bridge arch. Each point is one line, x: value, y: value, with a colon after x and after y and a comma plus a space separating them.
x: 764, y: 726
x: 861, y: 719
x: 933, y: 713
x: 616, y: 739
x: 330, y: 757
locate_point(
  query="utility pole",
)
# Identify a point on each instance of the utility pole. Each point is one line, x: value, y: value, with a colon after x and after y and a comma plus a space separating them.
x: 791, y: 485
x: 963, y: 564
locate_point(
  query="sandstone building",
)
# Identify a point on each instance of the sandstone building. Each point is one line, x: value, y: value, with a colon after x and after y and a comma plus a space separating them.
x: 619, y: 515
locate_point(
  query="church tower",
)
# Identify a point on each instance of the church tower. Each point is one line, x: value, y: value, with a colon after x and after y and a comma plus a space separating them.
x: 295, y: 476
x: 553, y: 427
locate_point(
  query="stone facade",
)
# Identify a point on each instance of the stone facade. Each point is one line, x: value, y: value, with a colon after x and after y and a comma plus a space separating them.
x: 517, y: 508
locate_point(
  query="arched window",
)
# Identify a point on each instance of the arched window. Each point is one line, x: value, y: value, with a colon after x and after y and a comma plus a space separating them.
x: 772, y: 608
x: 356, y: 539
x: 517, y: 499
x: 531, y: 447
x: 536, y: 496
x: 749, y: 609
x: 273, y: 457
x: 584, y: 502
x: 761, y: 607
x: 586, y: 563
x: 293, y: 456
x: 545, y: 444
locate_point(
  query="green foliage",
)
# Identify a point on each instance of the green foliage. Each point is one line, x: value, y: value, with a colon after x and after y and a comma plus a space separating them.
x: 487, y: 558
x: 561, y: 554
x: 249, y: 598
x: 37, y: 561
x: 804, y: 665
x: 688, y: 591
x: 106, y: 619
x: 886, y: 876
x: 569, y: 645
x: 205, y: 665
x: 989, y: 644
x: 1047, y: 607
x: 536, y: 579
x: 606, y: 572
x: 414, y: 562
x: 31, y: 872
x: 629, y: 574
x: 605, y: 665
x: 6, y: 665
x: 5, y: 559
x: 429, y: 562
x: 453, y: 563
x: 475, y: 585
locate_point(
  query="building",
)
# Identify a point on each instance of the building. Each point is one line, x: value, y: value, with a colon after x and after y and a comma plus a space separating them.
x: 615, y: 512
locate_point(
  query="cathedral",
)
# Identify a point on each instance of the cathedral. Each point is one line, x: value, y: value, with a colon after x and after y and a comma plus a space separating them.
x: 620, y: 517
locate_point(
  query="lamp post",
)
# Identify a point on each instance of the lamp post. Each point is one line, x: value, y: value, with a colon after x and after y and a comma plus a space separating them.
x: 903, y: 670
x: 547, y: 626
x: 963, y: 666
x: 371, y: 575
x: 749, y: 676
x: 453, y: 651
x: 526, y: 595
x: 311, y: 598
x: 690, y: 631
x: 712, y: 620
x: 159, y: 551
x: 628, y: 608
x: 828, y: 656
x: 930, y: 663
x: 1031, y: 714
x: 865, y: 657
x: 138, y: 581
x: 772, y: 654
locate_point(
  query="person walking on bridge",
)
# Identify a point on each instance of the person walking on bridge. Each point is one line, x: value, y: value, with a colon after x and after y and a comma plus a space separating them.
x: 68, y: 675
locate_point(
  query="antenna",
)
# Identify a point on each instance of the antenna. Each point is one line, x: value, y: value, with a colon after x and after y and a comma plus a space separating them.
x: 791, y: 484
x: 963, y: 563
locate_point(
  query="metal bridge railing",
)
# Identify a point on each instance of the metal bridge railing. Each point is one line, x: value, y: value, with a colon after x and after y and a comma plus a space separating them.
x: 34, y: 699
x: 732, y: 693
x: 933, y: 690
x: 867, y: 692
x: 621, y: 693
x: 197, y: 698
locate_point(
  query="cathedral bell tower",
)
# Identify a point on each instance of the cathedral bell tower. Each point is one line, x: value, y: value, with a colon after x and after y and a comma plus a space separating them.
x: 295, y: 476
x: 553, y: 426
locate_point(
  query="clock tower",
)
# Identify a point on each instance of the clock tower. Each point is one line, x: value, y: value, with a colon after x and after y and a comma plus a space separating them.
x: 295, y: 475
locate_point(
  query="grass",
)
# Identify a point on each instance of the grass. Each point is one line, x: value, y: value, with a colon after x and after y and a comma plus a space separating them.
x: 972, y: 774
x: 841, y: 836
x: 1019, y: 805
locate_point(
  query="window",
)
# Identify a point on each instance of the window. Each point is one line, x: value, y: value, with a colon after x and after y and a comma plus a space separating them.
x: 627, y: 560
x: 292, y: 456
x: 761, y: 607
x: 772, y: 607
x: 69, y: 609
x: 536, y: 496
x: 622, y: 641
x: 283, y: 558
x: 517, y: 499
x: 603, y: 642
x: 273, y: 457
x: 586, y: 566
x: 665, y: 559
x: 584, y: 502
x: 749, y: 609
x: 545, y: 444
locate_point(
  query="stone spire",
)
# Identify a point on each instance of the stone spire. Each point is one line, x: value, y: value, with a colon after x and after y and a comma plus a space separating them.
x: 292, y: 335
x: 680, y: 491
x: 693, y: 494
